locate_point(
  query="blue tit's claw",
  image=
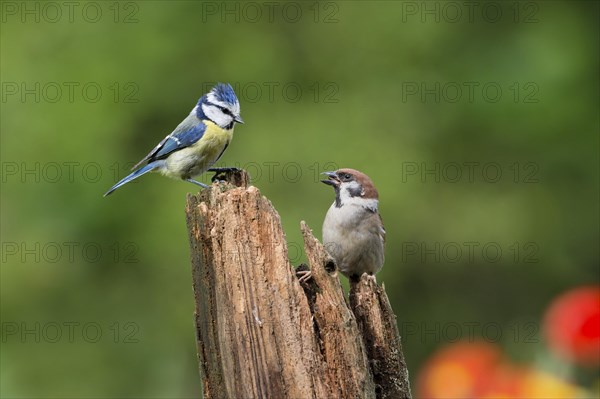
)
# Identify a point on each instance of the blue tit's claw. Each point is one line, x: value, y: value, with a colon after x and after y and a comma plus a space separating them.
x: 231, y: 169
x: 221, y: 174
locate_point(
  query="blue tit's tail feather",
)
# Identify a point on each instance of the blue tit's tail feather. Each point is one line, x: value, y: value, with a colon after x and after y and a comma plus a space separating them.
x: 141, y: 171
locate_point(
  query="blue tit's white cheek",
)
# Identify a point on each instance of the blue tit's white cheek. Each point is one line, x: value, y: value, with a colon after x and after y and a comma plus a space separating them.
x: 216, y: 115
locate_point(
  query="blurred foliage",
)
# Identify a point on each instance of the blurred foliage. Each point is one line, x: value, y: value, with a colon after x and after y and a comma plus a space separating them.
x: 356, y: 64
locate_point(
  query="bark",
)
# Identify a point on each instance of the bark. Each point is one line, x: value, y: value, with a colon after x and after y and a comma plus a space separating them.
x: 378, y: 327
x: 260, y: 332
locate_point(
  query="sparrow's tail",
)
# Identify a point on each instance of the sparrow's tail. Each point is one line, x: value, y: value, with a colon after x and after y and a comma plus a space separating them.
x: 141, y: 171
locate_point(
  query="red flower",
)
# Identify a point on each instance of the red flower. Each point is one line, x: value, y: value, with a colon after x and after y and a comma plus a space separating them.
x: 572, y: 325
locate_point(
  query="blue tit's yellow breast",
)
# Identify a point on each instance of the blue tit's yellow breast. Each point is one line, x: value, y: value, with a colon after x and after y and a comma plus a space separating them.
x: 213, y: 141
x: 201, y: 155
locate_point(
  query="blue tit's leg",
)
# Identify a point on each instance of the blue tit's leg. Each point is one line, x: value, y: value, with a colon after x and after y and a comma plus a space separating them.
x: 196, y: 182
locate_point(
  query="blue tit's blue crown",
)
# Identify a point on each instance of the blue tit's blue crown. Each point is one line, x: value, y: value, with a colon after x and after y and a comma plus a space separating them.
x: 220, y: 105
x: 224, y: 92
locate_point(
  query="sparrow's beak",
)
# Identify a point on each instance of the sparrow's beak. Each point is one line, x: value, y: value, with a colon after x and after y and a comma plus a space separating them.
x: 238, y: 119
x: 333, y: 179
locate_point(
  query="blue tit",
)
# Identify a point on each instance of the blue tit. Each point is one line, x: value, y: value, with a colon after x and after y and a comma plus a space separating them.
x: 197, y: 143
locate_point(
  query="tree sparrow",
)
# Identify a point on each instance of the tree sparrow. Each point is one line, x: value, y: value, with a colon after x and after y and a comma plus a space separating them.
x: 353, y: 232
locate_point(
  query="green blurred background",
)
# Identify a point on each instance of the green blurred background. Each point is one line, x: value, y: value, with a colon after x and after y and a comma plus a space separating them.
x: 96, y: 292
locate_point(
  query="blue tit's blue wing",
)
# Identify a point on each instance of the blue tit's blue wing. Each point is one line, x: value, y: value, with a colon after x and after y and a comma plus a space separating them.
x: 187, y: 133
x: 178, y: 140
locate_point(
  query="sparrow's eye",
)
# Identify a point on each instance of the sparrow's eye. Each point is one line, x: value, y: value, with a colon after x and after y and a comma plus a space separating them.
x: 346, y: 176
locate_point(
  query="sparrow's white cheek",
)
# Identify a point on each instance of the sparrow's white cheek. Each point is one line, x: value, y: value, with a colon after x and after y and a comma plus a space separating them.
x: 349, y: 190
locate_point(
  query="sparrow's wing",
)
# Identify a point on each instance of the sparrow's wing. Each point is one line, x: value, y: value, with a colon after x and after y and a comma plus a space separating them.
x: 382, y: 229
x: 375, y: 223
x: 187, y: 133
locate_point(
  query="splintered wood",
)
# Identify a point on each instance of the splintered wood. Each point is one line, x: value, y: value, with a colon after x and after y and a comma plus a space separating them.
x: 260, y: 333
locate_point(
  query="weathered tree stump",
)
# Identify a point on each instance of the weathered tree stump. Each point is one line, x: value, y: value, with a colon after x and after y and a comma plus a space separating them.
x: 377, y: 324
x: 262, y: 334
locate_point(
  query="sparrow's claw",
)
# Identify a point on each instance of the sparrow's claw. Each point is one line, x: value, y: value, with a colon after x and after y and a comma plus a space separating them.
x: 303, y: 273
x: 303, y: 276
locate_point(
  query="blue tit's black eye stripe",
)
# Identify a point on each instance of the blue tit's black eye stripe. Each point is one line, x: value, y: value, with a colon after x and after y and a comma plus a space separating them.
x: 225, y: 110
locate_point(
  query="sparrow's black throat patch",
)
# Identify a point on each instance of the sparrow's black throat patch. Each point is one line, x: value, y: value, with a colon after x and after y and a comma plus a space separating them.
x: 338, y: 200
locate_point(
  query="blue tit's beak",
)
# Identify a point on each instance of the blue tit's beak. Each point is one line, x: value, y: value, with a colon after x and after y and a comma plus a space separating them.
x: 333, y: 179
x: 238, y: 119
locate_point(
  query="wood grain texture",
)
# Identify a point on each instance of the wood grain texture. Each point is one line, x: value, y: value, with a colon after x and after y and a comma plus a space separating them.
x: 340, y: 341
x: 379, y: 331
x: 260, y: 333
